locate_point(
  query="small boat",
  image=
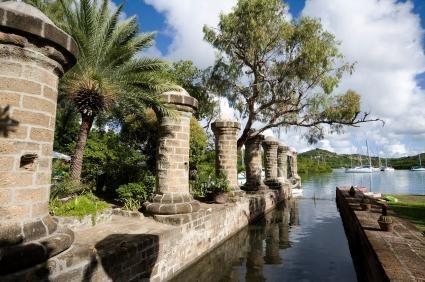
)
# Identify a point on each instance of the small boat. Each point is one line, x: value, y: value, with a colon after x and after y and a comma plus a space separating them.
x: 420, y: 167
x: 359, y: 169
x: 362, y: 168
x: 386, y: 167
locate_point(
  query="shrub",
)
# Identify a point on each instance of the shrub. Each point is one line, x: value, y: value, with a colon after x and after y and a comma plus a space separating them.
x: 79, y: 206
x: 207, y: 183
x: 65, y: 187
x: 132, y: 195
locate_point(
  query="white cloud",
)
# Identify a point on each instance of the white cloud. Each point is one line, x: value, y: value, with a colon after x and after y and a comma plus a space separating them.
x: 185, y: 20
x: 384, y: 38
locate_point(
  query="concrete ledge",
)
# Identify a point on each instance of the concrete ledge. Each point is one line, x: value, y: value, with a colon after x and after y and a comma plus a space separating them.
x: 129, y: 249
x: 379, y: 255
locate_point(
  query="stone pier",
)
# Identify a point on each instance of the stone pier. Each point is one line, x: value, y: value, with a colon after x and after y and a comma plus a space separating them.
x: 253, y: 164
x: 34, y: 53
x: 270, y: 146
x: 226, y: 151
x: 172, y: 181
x: 295, y: 167
x: 282, y: 163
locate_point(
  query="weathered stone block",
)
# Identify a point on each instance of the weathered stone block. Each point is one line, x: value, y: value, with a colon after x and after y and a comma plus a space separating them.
x: 20, y: 85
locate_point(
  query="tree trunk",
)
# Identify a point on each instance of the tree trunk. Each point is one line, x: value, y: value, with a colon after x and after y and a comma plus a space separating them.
x: 77, y: 159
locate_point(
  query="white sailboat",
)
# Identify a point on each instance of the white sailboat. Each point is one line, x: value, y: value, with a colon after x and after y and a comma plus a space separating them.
x: 386, y: 167
x: 420, y: 167
x: 362, y: 168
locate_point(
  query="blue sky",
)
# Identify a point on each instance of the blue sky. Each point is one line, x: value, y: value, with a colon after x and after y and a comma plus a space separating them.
x: 151, y: 20
x: 387, y: 42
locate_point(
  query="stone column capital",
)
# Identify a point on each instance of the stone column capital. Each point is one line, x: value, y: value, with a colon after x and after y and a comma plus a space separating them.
x: 28, y: 27
x: 270, y: 142
x: 181, y: 100
x: 225, y: 124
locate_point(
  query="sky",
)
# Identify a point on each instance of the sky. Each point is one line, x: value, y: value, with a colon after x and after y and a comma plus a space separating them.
x: 385, y: 38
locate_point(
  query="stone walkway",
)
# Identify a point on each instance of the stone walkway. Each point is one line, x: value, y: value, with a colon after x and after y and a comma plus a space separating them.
x: 401, y: 252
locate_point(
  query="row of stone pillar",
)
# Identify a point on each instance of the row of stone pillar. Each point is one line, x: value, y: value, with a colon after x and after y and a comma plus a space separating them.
x: 34, y: 53
x: 276, y: 157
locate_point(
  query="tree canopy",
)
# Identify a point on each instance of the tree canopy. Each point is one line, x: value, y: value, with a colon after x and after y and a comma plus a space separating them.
x: 279, y: 73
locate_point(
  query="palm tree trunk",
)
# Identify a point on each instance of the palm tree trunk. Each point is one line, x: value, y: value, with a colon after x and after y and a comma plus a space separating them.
x: 77, y: 159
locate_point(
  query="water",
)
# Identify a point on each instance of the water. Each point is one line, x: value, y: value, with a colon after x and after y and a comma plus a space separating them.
x: 303, y: 239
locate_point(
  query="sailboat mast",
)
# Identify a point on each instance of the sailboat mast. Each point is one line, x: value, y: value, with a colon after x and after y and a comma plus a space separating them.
x: 367, y: 148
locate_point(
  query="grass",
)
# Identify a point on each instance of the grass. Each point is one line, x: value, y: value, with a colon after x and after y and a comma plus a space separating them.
x: 80, y: 206
x: 410, y: 207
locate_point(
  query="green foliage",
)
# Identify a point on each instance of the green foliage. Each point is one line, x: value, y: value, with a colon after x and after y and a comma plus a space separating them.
x: 198, y: 144
x: 206, y: 183
x: 280, y: 73
x: 110, y: 162
x: 67, y: 126
x: 79, y: 206
x: 187, y: 75
x: 109, y: 73
x: 323, y: 157
x: 66, y: 187
x: 306, y: 166
x: 410, y: 207
x: 132, y: 195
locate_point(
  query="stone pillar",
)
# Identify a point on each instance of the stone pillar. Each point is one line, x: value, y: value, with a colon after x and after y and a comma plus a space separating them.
x: 272, y: 255
x: 294, y: 169
x: 226, y: 151
x: 282, y: 160
x: 290, y: 165
x: 172, y: 164
x: 34, y: 53
x: 253, y: 164
x: 284, y: 229
x: 255, y: 258
x: 270, y: 146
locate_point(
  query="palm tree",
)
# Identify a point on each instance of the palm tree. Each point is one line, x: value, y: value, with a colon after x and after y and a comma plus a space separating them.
x: 109, y: 70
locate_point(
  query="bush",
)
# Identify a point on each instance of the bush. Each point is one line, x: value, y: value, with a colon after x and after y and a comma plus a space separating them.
x: 66, y: 187
x: 132, y: 195
x: 79, y: 206
x: 209, y: 183
x: 109, y: 162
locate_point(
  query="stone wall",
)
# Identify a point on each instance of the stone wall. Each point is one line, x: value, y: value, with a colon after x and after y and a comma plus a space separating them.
x: 379, y: 255
x: 131, y: 249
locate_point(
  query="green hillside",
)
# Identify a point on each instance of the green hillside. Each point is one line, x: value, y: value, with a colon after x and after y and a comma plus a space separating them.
x: 319, y: 160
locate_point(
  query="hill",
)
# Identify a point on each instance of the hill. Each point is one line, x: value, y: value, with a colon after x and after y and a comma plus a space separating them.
x: 323, y: 158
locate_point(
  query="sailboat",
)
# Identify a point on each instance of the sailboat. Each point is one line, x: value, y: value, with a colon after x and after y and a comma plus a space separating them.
x: 362, y: 168
x: 420, y: 167
x: 386, y: 167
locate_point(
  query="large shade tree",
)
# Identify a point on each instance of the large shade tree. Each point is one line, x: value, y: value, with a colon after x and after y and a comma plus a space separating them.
x: 109, y: 71
x: 279, y: 73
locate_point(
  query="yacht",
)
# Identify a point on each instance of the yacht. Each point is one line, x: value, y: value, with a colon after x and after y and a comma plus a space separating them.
x: 362, y: 168
x: 359, y: 169
x: 386, y: 167
x: 420, y: 167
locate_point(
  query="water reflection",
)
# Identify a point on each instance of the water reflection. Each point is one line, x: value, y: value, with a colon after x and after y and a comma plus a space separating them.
x: 302, y: 240
x: 288, y: 244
